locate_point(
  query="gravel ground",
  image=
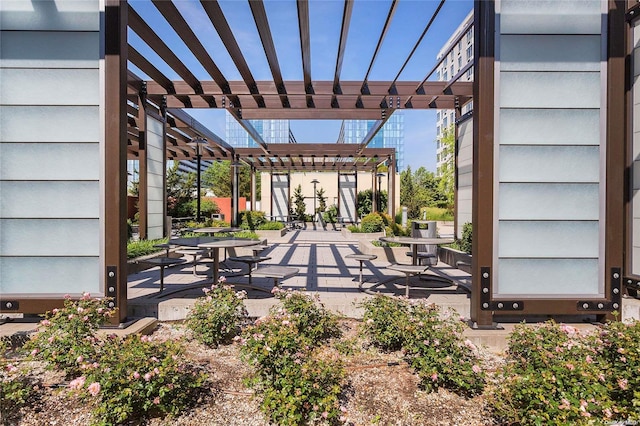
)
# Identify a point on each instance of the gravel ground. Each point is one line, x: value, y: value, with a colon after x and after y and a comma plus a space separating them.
x: 381, y: 390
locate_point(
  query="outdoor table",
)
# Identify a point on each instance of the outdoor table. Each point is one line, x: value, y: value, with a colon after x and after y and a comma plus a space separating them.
x: 163, y: 262
x: 361, y: 258
x: 165, y: 246
x: 414, y: 242
x: 408, y: 270
x: 192, y: 241
x: 215, y: 246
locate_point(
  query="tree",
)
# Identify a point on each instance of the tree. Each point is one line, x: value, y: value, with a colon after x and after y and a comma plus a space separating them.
x: 218, y: 178
x: 322, y: 200
x: 300, y: 207
x: 420, y: 189
x: 180, y: 189
x: 365, y: 202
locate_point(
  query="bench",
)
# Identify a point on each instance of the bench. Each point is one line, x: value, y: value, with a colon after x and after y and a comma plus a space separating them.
x: 163, y: 262
x: 408, y: 270
x: 250, y: 261
x: 361, y: 258
x: 275, y: 272
x: 192, y: 252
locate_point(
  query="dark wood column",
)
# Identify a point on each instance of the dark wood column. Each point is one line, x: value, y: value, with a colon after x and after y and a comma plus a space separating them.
x: 115, y: 155
x: 483, y: 140
x: 617, y: 123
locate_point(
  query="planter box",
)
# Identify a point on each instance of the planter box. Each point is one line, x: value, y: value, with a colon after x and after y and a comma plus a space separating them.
x: 455, y: 258
x: 389, y: 254
x: 274, y: 233
x: 361, y: 236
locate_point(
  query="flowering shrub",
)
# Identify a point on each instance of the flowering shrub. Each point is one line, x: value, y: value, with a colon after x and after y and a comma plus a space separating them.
x: 16, y: 386
x: 309, y: 314
x: 439, y: 353
x: 216, y: 318
x: 66, y: 337
x: 137, y: 377
x: 384, y: 321
x: 619, y: 344
x: 296, y: 385
x: 552, y: 376
x: 432, y: 343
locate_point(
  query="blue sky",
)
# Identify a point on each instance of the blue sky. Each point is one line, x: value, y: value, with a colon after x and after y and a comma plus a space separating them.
x: 367, y: 22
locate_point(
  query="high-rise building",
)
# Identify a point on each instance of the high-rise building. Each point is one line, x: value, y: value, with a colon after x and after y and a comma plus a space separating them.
x: 272, y: 131
x: 390, y: 136
x: 456, y: 53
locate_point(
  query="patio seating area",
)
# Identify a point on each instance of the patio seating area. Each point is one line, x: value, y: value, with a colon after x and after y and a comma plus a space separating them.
x: 315, y: 260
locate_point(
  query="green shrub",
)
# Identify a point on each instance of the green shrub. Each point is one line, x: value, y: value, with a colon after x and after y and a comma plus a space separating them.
x: 207, y: 207
x: 17, y: 387
x: 372, y: 222
x: 67, y: 335
x: 619, y: 345
x: 252, y: 219
x: 309, y: 314
x: 296, y: 383
x: 432, y: 343
x: 143, y: 247
x: 551, y: 377
x: 384, y: 320
x: 440, y: 355
x: 217, y: 317
x: 436, y: 213
x: 271, y: 226
x: 136, y: 377
x: 331, y: 214
x: 355, y: 229
x: 466, y: 242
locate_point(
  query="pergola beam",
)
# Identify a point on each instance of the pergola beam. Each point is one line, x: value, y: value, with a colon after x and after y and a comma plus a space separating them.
x: 305, y: 43
x: 344, y: 32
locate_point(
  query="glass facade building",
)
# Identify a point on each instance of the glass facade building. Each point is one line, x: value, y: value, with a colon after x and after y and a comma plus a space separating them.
x: 390, y: 136
x: 272, y: 131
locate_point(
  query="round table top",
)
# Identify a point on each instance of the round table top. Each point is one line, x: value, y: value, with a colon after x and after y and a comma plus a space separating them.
x: 229, y: 243
x: 192, y: 241
x: 408, y: 269
x: 357, y: 256
x: 164, y: 261
x: 416, y: 240
x: 250, y: 259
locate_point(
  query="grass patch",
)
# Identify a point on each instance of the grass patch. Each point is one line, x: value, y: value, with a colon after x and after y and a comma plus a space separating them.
x: 143, y: 247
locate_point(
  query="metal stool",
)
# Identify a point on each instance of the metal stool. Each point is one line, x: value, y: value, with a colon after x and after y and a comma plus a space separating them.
x: 192, y: 252
x: 361, y: 258
x: 250, y: 261
x: 163, y: 262
x: 409, y: 270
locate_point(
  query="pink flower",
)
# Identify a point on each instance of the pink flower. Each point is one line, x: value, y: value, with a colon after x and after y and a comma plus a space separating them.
x: 369, y: 321
x: 136, y: 375
x: 468, y: 343
x: 623, y: 383
x: 45, y: 323
x: 79, y: 359
x: 71, y: 316
x: 222, y: 279
x: 588, y: 359
x: 11, y: 368
x: 154, y: 359
x: 34, y: 352
x: 568, y: 329
x: 342, y: 419
x: 565, y: 404
x: 325, y: 414
x: 94, y: 388
x: 156, y: 371
x: 570, y: 366
x: 434, y: 377
x: 156, y: 400
x: 147, y: 377
x: 601, y: 377
x: 476, y: 369
x: 77, y: 383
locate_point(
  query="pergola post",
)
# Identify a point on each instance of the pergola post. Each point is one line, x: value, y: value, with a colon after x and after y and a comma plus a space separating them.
x: 391, y: 184
x: 115, y: 156
x: 235, y: 190
x: 374, y: 192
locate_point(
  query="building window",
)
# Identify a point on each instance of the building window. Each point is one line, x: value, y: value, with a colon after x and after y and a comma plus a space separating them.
x: 445, y: 76
x: 469, y: 53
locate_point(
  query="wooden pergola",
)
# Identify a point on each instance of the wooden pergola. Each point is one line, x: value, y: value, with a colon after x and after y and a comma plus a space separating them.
x: 275, y: 99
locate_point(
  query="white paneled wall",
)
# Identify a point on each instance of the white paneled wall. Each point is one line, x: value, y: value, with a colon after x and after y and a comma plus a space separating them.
x: 50, y: 147
x: 280, y: 196
x: 635, y: 205
x: 464, y: 192
x: 155, y: 178
x: 549, y: 152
